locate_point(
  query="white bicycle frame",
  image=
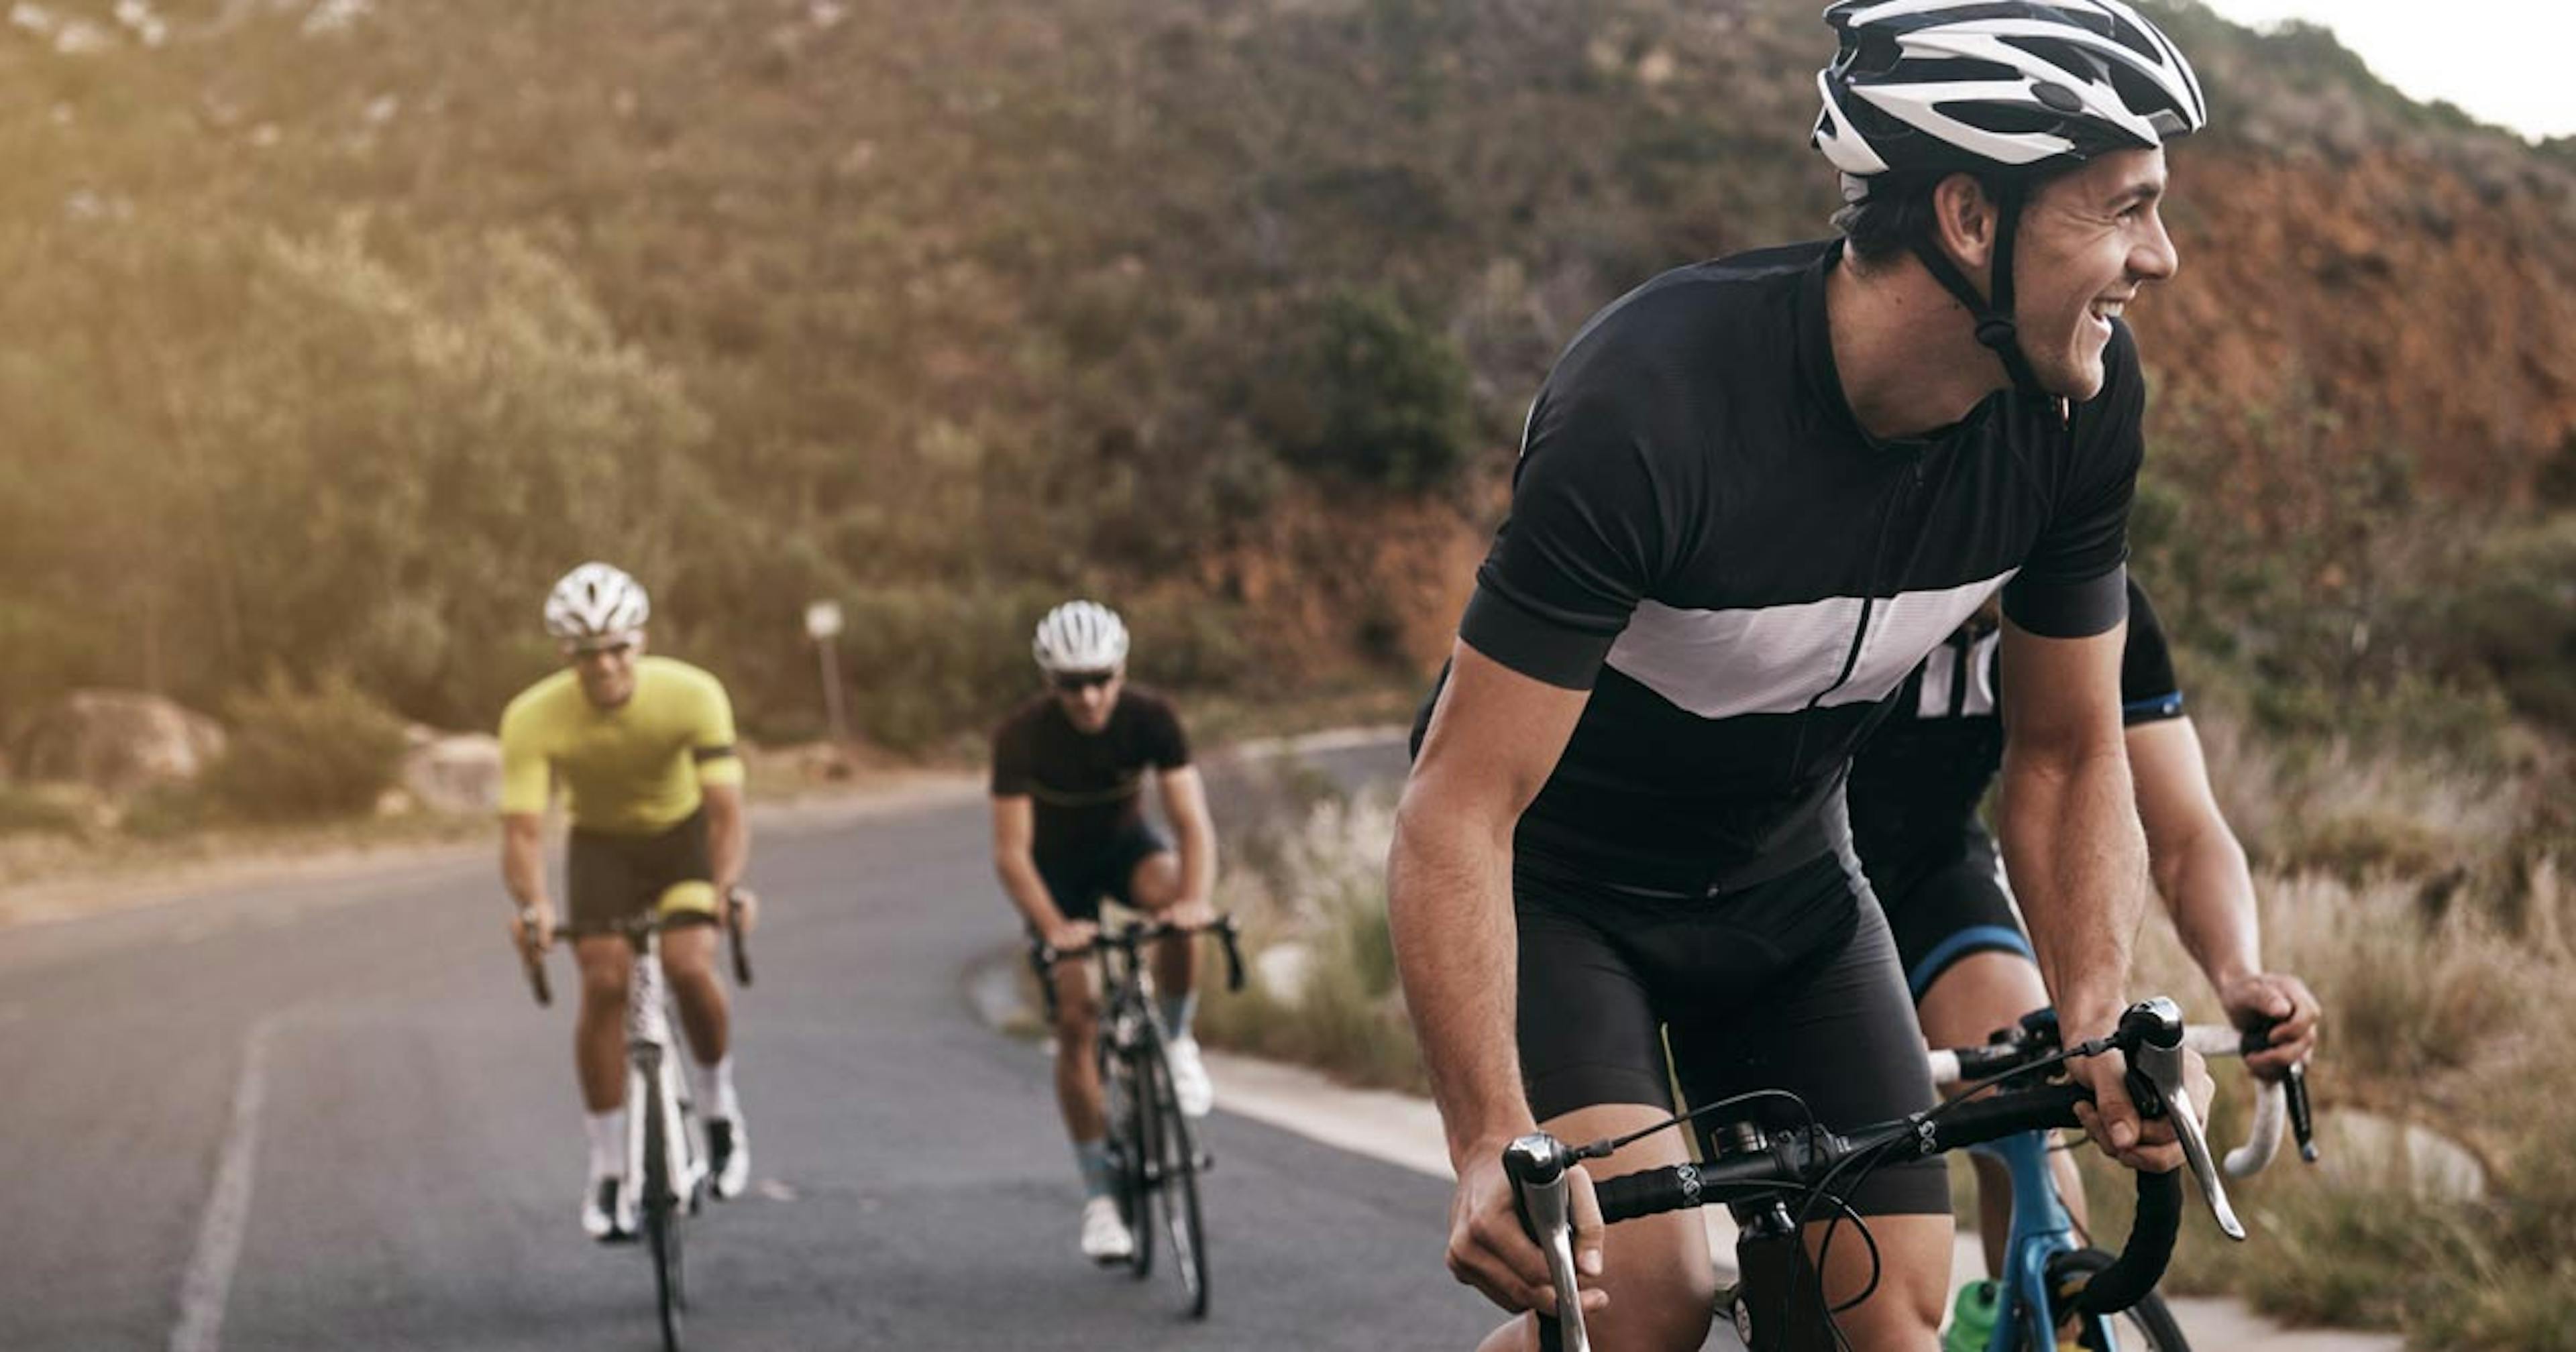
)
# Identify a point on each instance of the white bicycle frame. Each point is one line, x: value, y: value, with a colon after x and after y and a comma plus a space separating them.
x: 654, y: 1082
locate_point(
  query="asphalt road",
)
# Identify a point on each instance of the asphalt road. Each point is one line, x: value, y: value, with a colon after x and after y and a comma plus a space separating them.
x: 326, y: 1115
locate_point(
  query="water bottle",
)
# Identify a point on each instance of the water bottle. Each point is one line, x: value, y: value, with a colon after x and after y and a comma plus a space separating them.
x: 1972, y: 1318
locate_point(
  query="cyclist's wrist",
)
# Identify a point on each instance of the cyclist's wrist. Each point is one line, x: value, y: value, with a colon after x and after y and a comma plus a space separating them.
x: 1485, y: 1139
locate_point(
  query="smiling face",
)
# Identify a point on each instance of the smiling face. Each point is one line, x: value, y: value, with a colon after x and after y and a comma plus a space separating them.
x: 606, y: 668
x: 2087, y: 241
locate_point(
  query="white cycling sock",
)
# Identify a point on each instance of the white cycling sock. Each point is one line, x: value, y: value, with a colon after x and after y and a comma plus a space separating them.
x: 607, y: 1142
x: 715, y: 1085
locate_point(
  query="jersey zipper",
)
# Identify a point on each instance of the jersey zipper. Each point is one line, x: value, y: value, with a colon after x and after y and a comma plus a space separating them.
x: 1898, y: 496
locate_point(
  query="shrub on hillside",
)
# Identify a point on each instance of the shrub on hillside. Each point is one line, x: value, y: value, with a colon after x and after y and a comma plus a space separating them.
x: 32, y: 812
x: 297, y: 755
x: 1377, y: 398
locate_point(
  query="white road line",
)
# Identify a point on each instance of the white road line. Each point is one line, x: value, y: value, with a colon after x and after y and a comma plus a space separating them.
x: 209, y: 1280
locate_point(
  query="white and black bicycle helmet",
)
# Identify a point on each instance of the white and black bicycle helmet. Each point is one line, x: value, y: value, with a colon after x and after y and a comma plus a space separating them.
x: 1998, y: 88
x: 596, y: 601
x: 1080, y: 636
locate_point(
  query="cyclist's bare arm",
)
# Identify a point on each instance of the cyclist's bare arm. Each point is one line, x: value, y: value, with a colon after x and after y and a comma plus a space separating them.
x: 2201, y: 873
x: 1185, y: 806
x: 523, y: 872
x: 1015, y: 829
x: 2068, y: 819
x: 728, y: 842
x: 1494, y: 738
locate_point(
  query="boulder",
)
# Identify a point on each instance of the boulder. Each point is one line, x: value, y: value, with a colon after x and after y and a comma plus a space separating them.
x: 117, y: 741
x: 452, y: 772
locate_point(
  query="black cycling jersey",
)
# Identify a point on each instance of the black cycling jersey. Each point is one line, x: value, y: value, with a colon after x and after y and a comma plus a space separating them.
x: 1917, y: 780
x: 1088, y: 788
x: 1703, y: 535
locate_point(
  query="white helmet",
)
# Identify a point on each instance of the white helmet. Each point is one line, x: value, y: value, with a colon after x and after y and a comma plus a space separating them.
x: 1946, y: 85
x: 596, y: 601
x: 1080, y: 636
x: 2001, y: 89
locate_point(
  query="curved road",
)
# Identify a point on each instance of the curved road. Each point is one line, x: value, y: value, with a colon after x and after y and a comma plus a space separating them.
x: 324, y: 1114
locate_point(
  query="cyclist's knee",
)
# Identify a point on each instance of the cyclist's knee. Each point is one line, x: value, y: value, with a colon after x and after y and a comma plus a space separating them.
x: 1156, y: 882
x: 1978, y: 994
x: 1077, y: 1022
x: 1661, y: 1286
x: 603, y: 989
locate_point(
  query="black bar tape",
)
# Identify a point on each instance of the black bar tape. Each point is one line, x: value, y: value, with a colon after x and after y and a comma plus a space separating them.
x: 2142, y: 1261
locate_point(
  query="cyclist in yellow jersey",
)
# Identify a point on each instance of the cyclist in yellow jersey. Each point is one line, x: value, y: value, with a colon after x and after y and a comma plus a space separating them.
x: 644, y: 748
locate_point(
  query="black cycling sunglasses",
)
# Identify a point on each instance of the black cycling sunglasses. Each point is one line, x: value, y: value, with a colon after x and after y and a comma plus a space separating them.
x: 1071, y: 681
x: 617, y: 649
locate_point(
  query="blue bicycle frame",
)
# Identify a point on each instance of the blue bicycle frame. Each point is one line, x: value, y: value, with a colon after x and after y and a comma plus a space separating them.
x: 2041, y: 1230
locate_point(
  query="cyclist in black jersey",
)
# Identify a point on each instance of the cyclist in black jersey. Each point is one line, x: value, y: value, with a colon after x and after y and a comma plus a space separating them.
x: 1914, y: 790
x: 1069, y: 828
x: 1752, y: 495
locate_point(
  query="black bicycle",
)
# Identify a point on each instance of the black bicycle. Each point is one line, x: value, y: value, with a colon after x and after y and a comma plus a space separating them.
x: 1778, y: 1178
x: 665, y: 1169
x: 1154, y: 1153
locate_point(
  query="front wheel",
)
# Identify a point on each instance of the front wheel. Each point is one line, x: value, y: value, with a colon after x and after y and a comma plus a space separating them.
x: 1179, y: 1194
x: 2147, y: 1326
x: 661, y: 1207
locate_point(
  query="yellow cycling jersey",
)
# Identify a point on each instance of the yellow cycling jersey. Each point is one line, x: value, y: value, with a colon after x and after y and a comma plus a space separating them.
x: 632, y: 770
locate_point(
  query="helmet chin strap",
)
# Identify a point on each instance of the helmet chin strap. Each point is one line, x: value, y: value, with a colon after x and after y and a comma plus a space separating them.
x: 1994, y: 318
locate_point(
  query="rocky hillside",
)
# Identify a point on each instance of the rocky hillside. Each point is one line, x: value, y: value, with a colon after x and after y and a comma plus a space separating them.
x: 340, y: 326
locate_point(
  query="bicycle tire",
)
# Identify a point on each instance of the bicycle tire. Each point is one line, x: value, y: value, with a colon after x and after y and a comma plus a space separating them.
x: 1126, y: 1162
x: 2147, y: 1326
x: 1146, y: 1153
x: 662, y: 1224
x: 1178, y: 1196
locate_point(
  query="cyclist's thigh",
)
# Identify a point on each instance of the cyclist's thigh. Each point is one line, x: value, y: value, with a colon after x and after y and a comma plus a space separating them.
x: 1954, y: 910
x: 1076, y: 885
x: 1588, y: 1031
x: 602, y: 880
x: 1146, y: 868
x: 1833, y: 1025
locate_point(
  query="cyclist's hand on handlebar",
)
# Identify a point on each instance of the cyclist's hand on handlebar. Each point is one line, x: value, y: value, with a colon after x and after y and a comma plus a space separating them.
x: 2283, y: 999
x: 745, y: 907
x: 1072, y: 936
x: 1490, y: 1251
x: 1193, y: 913
x: 2112, y: 1118
x: 534, y: 926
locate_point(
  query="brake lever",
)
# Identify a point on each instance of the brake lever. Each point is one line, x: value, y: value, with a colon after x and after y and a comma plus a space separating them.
x: 2159, y: 1058
x: 1536, y: 1165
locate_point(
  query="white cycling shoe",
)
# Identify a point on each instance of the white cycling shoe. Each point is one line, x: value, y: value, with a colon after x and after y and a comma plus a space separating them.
x: 728, y: 1157
x: 1104, y: 1237
x: 607, y: 1213
x: 1191, y: 1088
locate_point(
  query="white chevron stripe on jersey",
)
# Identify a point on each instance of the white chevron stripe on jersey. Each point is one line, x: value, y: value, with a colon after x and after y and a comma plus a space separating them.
x: 1780, y: 659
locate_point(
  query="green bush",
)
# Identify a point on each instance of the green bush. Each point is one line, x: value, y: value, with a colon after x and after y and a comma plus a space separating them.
x: 301, y: 756
x: 1377, y: 398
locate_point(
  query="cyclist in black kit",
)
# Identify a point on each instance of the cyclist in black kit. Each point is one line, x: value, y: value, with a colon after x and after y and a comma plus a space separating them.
x: 1914, y: 790
x: 1069, y: 828
x: 1752, y: 495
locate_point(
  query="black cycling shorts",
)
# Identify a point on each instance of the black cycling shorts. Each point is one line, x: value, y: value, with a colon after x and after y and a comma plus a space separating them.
x: 1079, y: 882
x: 1956, y: 907
x: 612, y: 878
x: 1787, y: 984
